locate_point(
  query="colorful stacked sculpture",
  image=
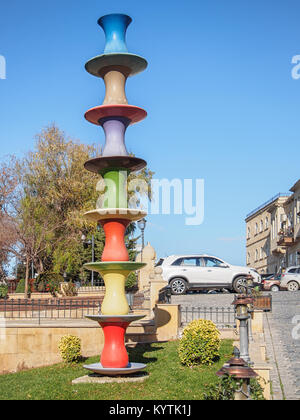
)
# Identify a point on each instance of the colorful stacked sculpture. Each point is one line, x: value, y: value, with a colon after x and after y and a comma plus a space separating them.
x: 115, y: 115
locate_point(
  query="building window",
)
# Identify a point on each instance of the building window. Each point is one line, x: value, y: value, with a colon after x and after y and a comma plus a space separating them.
x: 256, y: 255
x: 267, y: 222
x: 248, y: 233
x: 261, y: 226
x: 256, y: 228
x: 248, y: 258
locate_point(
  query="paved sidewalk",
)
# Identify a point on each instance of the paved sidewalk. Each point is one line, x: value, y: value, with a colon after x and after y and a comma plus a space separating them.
x: 202, y: 299
x: 283, y: 351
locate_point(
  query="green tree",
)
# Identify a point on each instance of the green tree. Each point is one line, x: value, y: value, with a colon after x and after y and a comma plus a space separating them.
x: 52, y: 192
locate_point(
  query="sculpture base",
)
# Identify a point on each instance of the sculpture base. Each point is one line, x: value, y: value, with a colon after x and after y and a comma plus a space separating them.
x: 131, y: 368
x: 94, y: 378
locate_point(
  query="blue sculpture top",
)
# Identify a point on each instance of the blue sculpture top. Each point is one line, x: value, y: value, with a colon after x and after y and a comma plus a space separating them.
x: 115, y: 26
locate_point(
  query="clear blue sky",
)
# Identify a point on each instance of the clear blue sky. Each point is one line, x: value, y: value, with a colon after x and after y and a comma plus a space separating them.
x: 221, y: 101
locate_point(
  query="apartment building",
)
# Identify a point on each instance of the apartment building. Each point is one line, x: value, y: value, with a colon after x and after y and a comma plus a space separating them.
x: 273, y: 233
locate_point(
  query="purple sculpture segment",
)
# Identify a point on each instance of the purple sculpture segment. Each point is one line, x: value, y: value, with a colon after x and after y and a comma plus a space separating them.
x: 114, y: 130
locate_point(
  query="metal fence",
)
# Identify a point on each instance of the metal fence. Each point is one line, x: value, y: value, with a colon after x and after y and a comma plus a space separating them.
x: 39, y: 309
x: 90, y: 289
x: 222, y: 317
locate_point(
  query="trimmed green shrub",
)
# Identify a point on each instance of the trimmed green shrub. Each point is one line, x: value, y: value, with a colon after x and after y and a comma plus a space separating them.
x: 70, y: 348
x: 131, y: 281
x: 3, y: 291
x: 200, y: 343
x: 21, y: 286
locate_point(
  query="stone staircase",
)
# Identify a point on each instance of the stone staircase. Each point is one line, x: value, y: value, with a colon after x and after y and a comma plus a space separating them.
x: 141, y: 332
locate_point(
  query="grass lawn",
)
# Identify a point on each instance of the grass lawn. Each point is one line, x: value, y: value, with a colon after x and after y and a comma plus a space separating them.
x: 168, y: 380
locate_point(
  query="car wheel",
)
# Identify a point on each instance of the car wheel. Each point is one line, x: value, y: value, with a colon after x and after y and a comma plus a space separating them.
x: 293, y: 286
x: 178, y: 286
x: 274, y: 288
x: 239, y: 285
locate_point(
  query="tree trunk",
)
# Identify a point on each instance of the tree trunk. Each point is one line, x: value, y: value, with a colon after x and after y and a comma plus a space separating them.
x: 39, y: 266
x: 27, y: 279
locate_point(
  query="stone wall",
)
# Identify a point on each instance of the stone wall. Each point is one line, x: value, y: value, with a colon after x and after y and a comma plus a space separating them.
x: 32, y: 347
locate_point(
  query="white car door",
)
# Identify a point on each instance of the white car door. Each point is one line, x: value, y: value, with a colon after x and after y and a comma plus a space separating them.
x: 190, y: 268
x: 216, y: 273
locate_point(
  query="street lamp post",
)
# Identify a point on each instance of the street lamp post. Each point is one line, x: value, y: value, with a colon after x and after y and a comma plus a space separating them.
x: 241, y: 373
x: 242, y: 314
x: 142, y: 226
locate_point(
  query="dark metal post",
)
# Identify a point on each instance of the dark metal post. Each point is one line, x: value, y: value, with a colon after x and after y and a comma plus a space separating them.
x: 242, y: 314
x: 93, y: 257
x: 142, y: 226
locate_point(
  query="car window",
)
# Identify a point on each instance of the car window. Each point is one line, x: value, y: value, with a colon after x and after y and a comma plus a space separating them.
x: 177, y: 262
x: 159, y: 262
x: 191, y: 262
x: 212, y: 262
x: 292, y: 270
x: 298, y: 271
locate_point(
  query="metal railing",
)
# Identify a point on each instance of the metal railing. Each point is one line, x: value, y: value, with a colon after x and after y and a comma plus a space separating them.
x: 267, y: 203
x: 90, y: 289
x: 287, y: 232
x: 222, y: 317
x: 39, y: 309
x: 165, y: 295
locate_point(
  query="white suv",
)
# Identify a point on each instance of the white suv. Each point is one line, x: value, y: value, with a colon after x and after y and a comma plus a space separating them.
x: 291, y: 279
x: 186, y: 272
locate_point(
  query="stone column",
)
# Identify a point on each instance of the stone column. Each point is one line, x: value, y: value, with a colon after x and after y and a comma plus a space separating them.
x: 149, y: 258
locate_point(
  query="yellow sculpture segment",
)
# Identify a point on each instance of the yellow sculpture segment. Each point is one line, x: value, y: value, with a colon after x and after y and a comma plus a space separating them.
x: 115, y: 302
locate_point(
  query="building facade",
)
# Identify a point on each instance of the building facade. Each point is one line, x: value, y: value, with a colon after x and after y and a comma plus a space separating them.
x: 273, y: 233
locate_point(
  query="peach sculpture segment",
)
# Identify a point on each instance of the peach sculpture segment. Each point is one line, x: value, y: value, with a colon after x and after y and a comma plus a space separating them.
x: 115, y: 115
x: 115, y: 87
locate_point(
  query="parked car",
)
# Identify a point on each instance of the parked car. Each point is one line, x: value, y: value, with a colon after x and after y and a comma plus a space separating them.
x: 204, y: 272
x: 272, y: 283
x: 291, y: 279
